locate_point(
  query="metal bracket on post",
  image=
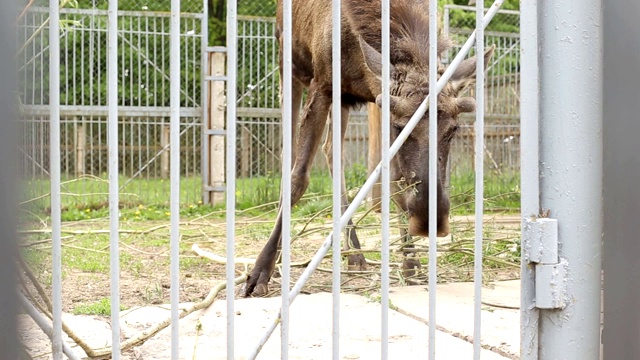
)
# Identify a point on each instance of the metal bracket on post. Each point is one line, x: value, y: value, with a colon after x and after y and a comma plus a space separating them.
x: 540, y: 244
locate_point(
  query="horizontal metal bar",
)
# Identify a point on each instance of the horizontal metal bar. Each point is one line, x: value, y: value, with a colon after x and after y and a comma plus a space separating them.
x: 216, y: 78
x: 255, y: 112
x: 487, y: 34
x: 219, y: 132
x: 256, y: 18
x: 275, y: 113
x: 91, y: 110
x: 215, y: 188
x: 167, y: 14
x: 212, y: 49
x: 473, y: 8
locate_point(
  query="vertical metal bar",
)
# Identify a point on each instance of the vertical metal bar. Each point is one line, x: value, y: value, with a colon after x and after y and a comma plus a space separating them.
x: 54, y: 158
x: 386, y: 179
x: 529, y: 169
x: 433, y: 171
x: 138, y: 78
x: 571, y: 182
x: 75, y: 67
x: 146, y: 63
x: 287, y: 141
x: 205, y: 164
x: 232, y: 59
x: 174, y: 75
x: 336, y: 109
x: 112, y: 135
x: 479, y: 196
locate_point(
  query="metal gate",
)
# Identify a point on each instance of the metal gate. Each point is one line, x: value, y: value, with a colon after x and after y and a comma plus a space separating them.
x: 561, y: 208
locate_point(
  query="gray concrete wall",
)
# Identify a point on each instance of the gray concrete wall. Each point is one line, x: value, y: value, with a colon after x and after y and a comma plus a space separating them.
x: 621, y: 334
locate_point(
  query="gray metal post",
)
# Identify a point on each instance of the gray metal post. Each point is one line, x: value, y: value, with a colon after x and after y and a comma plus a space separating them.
x: 9, y: 135
x: 571, y: 169
x: 621, y: 178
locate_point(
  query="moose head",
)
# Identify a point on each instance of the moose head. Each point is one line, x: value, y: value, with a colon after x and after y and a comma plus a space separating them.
x: 409, y: 85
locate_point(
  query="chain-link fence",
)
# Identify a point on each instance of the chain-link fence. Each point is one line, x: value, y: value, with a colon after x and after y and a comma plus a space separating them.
x: 502, y: 98
x: 264, y: 8
x: 143, y: 86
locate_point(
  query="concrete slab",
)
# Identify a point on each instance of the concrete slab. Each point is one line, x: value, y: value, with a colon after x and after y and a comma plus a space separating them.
x: 310, y: 332
x: 203, y: 333
x: 500, y: 315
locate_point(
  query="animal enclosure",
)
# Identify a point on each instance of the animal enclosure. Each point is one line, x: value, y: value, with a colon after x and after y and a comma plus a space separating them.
x: 116, y: 223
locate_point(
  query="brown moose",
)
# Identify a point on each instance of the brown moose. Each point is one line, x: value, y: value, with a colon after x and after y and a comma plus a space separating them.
x: 361, y: 83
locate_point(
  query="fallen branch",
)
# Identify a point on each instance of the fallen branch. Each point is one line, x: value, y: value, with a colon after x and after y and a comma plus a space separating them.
x: 105, y: 353
x: 219, y: 259
x: 501, y: 306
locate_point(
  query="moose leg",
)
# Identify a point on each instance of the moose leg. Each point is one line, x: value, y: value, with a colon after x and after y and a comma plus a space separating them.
x: 297, y: 89
x: 354, y: 260
x: 311, y: 126
x: 410, y: 262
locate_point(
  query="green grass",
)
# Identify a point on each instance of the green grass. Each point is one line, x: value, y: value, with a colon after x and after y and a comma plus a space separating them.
x: 148, y: 199
x: 501, y: 193
x: 101, y: 307
x: 92, y: 191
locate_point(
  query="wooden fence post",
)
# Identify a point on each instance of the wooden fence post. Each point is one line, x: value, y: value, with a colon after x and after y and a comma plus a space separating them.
x: 81, y: 149
x: 375, y: 124
x: 217, y: 112
x: 245, y: 141
x: 165, y: 138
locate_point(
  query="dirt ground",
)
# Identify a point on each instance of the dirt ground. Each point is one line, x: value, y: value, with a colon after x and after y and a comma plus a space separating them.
x: 145, y: 261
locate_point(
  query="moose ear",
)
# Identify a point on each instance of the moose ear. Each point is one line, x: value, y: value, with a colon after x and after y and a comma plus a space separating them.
x: 466, y: 73
x: 394, y: 101
x: 466, y: 104
x: 372, y: 58
x: 397, y: 106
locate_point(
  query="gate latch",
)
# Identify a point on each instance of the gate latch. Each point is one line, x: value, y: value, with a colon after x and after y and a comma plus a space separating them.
x: 540, y: 246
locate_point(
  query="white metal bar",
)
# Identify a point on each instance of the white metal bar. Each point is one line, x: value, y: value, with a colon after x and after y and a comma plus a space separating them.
x: 232, y: 59
x: 112, y: 136
x: 571, y: 150
x: 529, y: 169
x: 287, y: 108
x: 42, y: 323
x: 174, y: 96
x: 386, y: 179
x: 54, y: 158
x: 205, y: 139
x: 433, y: 171
x: 479, y: 195
x: 373, y: 178
x: 336, y: 122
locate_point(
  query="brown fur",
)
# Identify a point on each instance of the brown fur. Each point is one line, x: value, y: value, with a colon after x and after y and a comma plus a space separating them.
x: 360, y: 74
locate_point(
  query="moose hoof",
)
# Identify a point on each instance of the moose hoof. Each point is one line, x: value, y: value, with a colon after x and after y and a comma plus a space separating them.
x: 409, y: 267
x: 357, y: 262
x: 256, y: 285
x: 260, y: 290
